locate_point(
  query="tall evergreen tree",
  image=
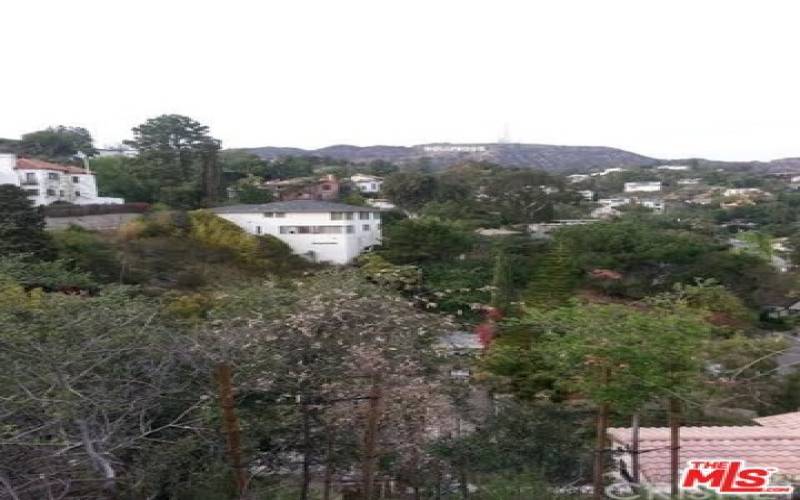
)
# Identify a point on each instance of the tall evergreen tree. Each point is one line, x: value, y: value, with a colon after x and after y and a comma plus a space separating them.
x: 553, y: 281
x: 21, y: 225
x: 502, y: 293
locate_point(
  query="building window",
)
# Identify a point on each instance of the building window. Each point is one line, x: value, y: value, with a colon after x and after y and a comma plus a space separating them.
x: 341, y: 215
x: 30, y: 178
x: 75, y: 179
x: 32, y: 192
x: 311, y: 229
x: 61, y: 193
x: 78, y: 194
x: 258, y: 229
x: 280, y: 215
x: 365, y: 227
x: 51, y: 192
x: 374, y: 186
x: 52, y: 176
x: 326, y: 187
x: 363, y: 215
x: 350, y: 229
x: 376, y: 215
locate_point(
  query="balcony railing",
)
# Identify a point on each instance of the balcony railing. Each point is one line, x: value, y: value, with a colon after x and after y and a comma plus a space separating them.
x: 30, y: 183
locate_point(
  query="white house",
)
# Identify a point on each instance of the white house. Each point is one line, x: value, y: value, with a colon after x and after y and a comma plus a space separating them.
x: 322, y: 231
x: 646, y: 187
x: 677, y: 168
x: 47, y: 183
x: 614, y: 202
x: 654, y: 204
x: 367, y: 183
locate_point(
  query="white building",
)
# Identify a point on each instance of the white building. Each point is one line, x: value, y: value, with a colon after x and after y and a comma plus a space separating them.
x: 743, y: 192
x: 367, y: 183
x: 643, y: 187
x: 655, y: 205
x: 587, y: 194
x: 677, y: 168
x: 47, y: 183
x: 322, y: 231
x: 613, y: 202
x: 381, y: 203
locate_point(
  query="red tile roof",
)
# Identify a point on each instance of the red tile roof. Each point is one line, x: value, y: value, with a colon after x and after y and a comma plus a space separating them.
x: 772, y: 445
x: 32, y: 164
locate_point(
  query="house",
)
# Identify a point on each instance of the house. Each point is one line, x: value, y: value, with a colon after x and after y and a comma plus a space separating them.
x: 575, y: 178
x: 675, y: 168
x: 773, y: 442
x: 587, y: 194
x: 744, y: 192
x: 613, y: 202
x: 304, y: 188
x: 321, y: 231
x: 381, y: 203
x: 654, y: 204
x: 367, y: 183
x: 47, y: 183
x: 647, y: 187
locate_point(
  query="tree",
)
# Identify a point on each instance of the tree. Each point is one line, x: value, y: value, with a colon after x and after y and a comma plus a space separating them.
x: 21, y: 225
x: 502, y: 292
x: 424, y: 239
x: 116, y: 176
x: 57, y: 143
x: 410, y: 190
x: 553, y: 280
x: 178, y: 159
x: 617, y: 357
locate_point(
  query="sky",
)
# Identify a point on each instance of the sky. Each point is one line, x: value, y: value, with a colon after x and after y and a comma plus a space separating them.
x: 665, y: 78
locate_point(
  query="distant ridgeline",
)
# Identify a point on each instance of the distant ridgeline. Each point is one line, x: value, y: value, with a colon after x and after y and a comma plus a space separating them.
x: 559, y: 159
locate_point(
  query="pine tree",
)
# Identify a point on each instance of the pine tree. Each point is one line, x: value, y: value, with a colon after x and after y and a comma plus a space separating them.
x: 553, y: 281
x: 502, y: 294
x: 21, y: 225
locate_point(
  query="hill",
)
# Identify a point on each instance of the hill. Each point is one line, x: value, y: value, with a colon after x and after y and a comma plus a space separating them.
x: 546, y: 157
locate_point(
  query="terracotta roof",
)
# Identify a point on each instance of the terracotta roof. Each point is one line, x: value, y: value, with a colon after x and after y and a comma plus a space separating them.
x: 32, y: 164
x: 784, y: 421
x: 772, y: 446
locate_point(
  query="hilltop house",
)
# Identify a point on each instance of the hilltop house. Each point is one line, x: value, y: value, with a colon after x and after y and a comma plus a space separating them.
x: 47, y: 183
x: 646, y: 187
x: 321, y: 231
x: 304, y: 188
x: 367, y: 183
x: 773, y: 442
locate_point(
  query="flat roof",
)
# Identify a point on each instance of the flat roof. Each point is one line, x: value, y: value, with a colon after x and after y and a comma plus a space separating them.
x: 307, y: 206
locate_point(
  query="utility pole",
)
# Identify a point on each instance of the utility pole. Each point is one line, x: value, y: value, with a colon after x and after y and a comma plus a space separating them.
x: 600, y: 444
x: 674, y: 444
x: 635, y: 447
x: 230, y: 427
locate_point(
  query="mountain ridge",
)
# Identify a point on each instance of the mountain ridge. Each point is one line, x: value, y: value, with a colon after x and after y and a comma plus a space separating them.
x: 553, y: 158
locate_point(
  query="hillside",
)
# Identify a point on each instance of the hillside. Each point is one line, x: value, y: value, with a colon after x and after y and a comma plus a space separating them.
x: 546, y: 157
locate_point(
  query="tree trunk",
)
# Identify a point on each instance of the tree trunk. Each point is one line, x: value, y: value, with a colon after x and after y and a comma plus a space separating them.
x: 370, y: 458
x: 306, y: 452
x: 635, y: 448
x: 674, y: 444
x: 230, y: 427
x: 600, y: 451
x: 327, y: 482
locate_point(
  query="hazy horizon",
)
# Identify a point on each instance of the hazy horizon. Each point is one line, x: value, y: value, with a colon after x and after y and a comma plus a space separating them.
x: 714, y: 79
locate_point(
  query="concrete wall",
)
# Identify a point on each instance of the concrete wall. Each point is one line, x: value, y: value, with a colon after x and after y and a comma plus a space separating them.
x: 105, y: 222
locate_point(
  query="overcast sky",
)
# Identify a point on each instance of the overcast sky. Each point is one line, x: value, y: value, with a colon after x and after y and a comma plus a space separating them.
x: 671, y: 78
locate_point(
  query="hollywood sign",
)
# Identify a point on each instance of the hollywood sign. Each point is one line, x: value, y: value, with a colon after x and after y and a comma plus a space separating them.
x: 454, y: 149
